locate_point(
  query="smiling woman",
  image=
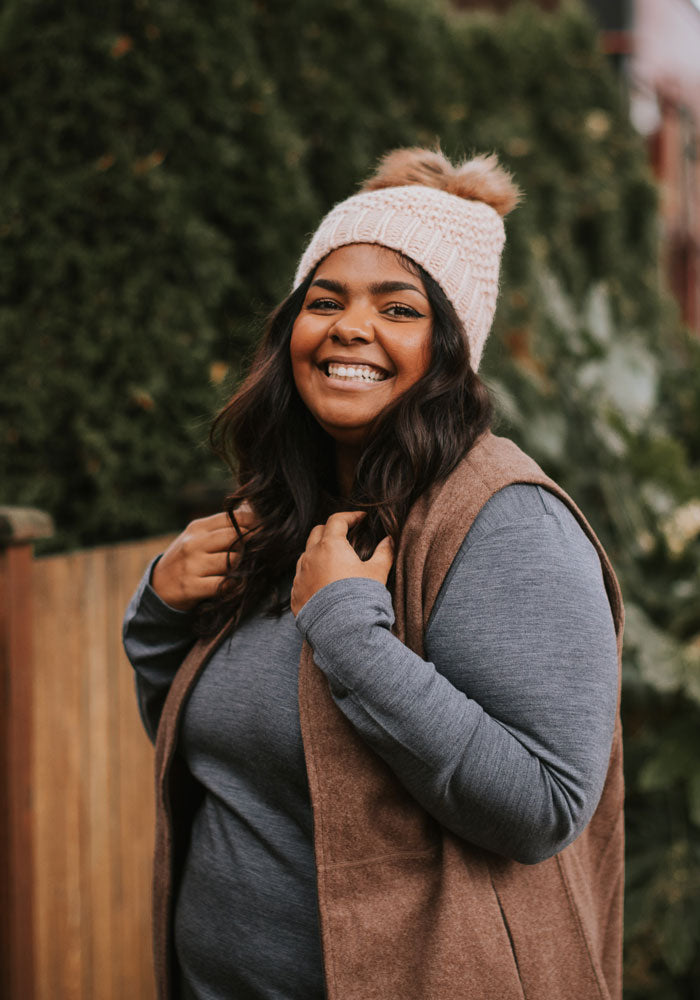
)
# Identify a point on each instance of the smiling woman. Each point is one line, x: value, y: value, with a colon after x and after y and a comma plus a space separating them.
x: 361, y: 339
x: 400, y: 773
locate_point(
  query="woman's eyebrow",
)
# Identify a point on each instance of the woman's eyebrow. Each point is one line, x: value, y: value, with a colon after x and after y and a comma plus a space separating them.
x: 330, y: 286
x: 386, y: 287
x: 376, y: 288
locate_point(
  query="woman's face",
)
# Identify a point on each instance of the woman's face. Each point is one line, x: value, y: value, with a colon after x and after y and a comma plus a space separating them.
x: 362, y: 338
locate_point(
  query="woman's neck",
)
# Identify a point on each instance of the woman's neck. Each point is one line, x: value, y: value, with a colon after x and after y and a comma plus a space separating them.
x: 346, y: 459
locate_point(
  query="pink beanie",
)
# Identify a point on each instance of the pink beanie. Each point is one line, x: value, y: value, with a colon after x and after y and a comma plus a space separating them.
x: 446, y: 218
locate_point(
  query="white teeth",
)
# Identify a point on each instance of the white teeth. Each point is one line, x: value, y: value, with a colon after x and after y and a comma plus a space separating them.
x: 365, y: 373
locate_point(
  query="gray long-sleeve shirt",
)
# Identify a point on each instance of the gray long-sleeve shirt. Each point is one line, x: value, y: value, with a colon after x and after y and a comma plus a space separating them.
x: 503, y: 733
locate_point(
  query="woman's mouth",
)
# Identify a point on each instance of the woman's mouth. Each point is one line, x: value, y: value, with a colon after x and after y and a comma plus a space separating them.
x: 354, y: 373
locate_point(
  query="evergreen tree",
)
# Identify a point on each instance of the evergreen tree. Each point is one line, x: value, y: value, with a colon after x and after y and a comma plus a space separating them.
x: 145, y: 152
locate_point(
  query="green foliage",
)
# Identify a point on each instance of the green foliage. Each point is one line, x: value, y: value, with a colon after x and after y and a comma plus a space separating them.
x: 166, y: 161
x: 129, y: 194
x: 594, y: 400
x: 162, y: 164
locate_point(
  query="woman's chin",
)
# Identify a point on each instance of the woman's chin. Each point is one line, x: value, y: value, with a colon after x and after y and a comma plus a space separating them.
x: 354, y: 437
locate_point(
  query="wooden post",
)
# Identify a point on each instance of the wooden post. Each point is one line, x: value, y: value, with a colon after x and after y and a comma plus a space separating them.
x: 19, y: 529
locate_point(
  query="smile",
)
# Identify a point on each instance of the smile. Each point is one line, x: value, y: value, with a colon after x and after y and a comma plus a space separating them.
x: 354, y: 373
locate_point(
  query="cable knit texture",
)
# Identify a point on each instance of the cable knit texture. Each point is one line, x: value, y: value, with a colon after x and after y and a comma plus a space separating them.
x: 456, y: 240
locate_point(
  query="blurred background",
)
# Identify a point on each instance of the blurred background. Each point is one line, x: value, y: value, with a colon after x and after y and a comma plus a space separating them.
x: 161, y: 164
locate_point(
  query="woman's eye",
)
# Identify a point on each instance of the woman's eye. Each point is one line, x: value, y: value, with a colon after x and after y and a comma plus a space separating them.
x: 403, y: 311
x: 323, y: 304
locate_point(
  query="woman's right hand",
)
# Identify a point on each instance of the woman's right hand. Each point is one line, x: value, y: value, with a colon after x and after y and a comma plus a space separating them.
x: 194, y: 565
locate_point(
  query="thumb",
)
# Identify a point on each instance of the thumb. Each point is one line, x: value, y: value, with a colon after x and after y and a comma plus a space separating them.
x: 339, y: 524
x: 381, y: 560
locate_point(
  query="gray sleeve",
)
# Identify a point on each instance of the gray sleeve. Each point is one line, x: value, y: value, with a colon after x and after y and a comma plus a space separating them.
x: 156, y: 639
x: 504, y: 733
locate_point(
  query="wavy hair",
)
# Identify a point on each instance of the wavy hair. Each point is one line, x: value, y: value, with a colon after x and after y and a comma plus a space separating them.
x: 285, y: 467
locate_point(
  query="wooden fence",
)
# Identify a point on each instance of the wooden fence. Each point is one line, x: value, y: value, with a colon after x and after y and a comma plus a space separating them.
x: 76, y: 785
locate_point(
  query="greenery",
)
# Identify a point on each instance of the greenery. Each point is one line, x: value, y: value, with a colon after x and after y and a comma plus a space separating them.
x: 162, y: 164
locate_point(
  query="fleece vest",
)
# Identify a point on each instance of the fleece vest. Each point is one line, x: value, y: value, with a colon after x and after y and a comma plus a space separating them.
x: 408, y: 910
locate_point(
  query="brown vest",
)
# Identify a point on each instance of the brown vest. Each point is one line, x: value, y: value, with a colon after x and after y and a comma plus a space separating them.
x: 409, y: 911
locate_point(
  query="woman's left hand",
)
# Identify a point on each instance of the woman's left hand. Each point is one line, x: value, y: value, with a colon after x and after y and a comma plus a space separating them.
x: 329, y: 556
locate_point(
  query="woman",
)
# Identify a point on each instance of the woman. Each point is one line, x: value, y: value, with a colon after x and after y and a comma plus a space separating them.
x: 392, y: 766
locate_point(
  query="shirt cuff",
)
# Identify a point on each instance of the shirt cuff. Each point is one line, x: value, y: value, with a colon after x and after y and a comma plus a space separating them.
x: 343, y: 613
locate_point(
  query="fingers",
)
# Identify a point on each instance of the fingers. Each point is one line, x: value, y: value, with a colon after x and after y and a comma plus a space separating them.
x: 220, y: 540
x: 244, y: 510
x: 382, y: 558
x: 214, y: 564
x: 245, y: 516
x: 217, y: 534
x: 340, y: 524
x: 336, y: 527
x: 315, y: 536
x: 194, y: 564
x: 213, y: 522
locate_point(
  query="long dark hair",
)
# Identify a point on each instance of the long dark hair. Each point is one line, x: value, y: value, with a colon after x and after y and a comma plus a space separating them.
x: 285, y: 466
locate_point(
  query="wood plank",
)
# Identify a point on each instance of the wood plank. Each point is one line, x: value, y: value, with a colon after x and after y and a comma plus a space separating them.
x: 98, y: 855
x: 16, y: 724
x: 92, y: 771
x: 57, y: 748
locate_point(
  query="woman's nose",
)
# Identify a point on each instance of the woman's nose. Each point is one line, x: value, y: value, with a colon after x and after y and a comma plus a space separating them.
x: 349, y: 328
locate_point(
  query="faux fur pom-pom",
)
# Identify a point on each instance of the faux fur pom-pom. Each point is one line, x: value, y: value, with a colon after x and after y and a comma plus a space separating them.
x: 479, y: 179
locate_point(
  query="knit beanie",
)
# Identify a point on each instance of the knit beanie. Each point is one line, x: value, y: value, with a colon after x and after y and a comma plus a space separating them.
x: 447, y: 218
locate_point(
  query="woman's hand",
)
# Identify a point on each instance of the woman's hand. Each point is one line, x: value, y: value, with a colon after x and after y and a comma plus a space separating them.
x: 328, y: 556
x: 194, y: 565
